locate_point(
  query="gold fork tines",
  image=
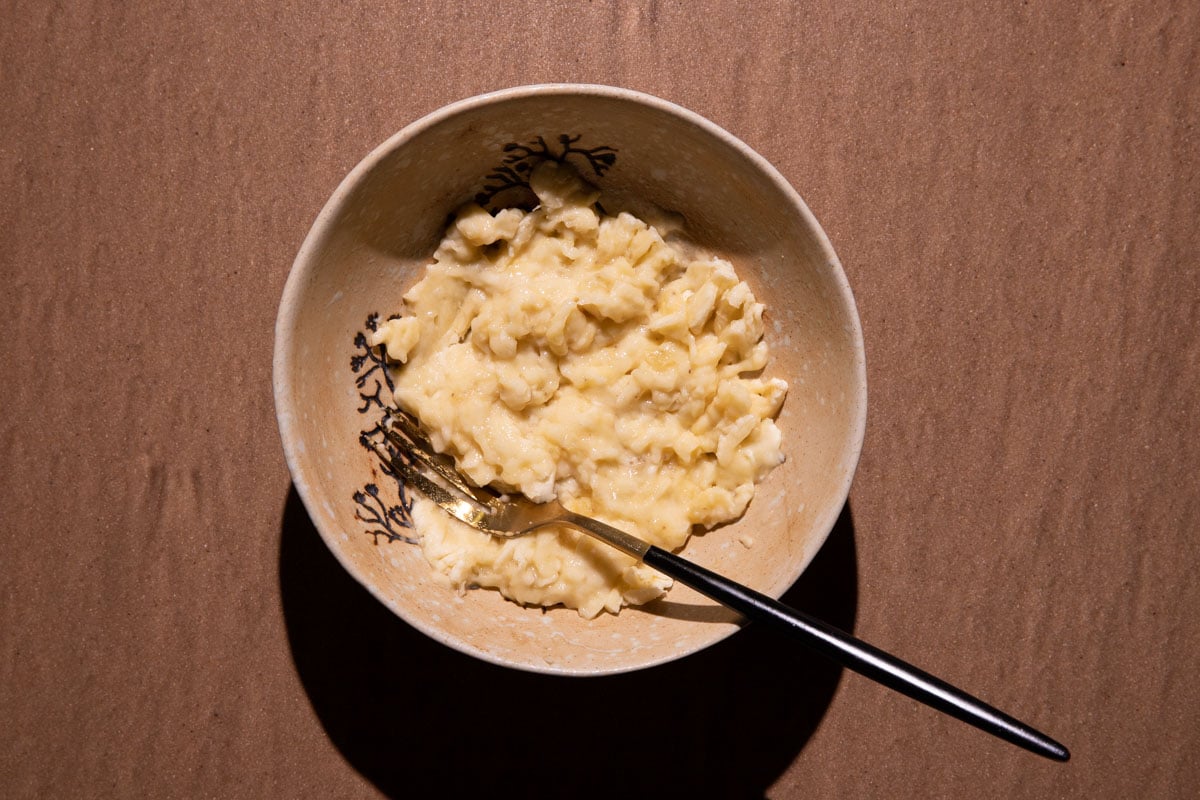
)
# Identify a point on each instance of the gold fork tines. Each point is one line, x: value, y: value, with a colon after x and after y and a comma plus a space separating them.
x: 414, y: 444
x: 464, y: 508
x: 418, y: 464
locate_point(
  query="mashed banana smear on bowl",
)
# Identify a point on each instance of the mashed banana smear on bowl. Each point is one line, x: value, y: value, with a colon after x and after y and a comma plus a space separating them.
x: 563, y: 352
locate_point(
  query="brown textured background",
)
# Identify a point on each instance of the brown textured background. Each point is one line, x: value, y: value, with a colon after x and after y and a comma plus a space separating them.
x: 1014, y: 191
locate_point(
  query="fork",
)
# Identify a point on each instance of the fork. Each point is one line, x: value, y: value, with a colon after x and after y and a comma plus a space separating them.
x: 434, y: 475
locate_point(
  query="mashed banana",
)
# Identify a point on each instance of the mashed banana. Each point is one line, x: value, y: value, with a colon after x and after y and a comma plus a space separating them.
x: 564, y: 353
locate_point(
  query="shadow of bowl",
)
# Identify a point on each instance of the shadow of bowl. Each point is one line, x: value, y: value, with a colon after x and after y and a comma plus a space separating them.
x: 418, y: 719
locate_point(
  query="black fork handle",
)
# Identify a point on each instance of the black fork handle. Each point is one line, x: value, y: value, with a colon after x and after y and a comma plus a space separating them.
x: 855, y: 654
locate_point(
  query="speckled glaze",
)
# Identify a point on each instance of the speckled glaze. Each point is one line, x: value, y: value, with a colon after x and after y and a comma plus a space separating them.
x: 378, y: 230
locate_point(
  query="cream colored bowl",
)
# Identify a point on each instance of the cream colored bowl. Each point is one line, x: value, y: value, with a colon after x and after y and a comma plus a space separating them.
x: 370, y: 243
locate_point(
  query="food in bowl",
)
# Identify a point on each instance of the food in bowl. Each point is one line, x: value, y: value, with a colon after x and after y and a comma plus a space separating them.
x: 569, y: 352
x: 372, y: 241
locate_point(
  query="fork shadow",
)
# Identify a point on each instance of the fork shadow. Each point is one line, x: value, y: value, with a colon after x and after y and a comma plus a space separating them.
x: 418, y: 719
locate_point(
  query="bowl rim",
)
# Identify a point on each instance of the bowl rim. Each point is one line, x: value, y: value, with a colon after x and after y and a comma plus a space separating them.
x: 320, y: 231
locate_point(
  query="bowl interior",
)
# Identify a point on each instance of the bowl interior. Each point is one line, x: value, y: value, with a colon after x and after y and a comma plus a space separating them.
x: 369, y: 245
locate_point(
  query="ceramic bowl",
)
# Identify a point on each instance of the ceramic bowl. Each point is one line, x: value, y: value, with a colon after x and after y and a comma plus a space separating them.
x: 372, y: 240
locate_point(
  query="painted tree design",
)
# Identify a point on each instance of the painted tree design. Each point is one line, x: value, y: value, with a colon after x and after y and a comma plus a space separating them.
x: 383, y: 519
x: 520, y: 159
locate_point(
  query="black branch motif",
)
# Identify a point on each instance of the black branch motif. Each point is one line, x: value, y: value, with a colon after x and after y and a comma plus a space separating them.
x: 501, y: 179
x: 537, y: 150
x: 599, y: 158
x: 520, y: 159
x: 383, y: 519
x: 370, y: 367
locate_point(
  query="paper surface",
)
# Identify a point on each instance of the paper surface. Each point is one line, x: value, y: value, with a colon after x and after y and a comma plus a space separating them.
x: 1013, y: 192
